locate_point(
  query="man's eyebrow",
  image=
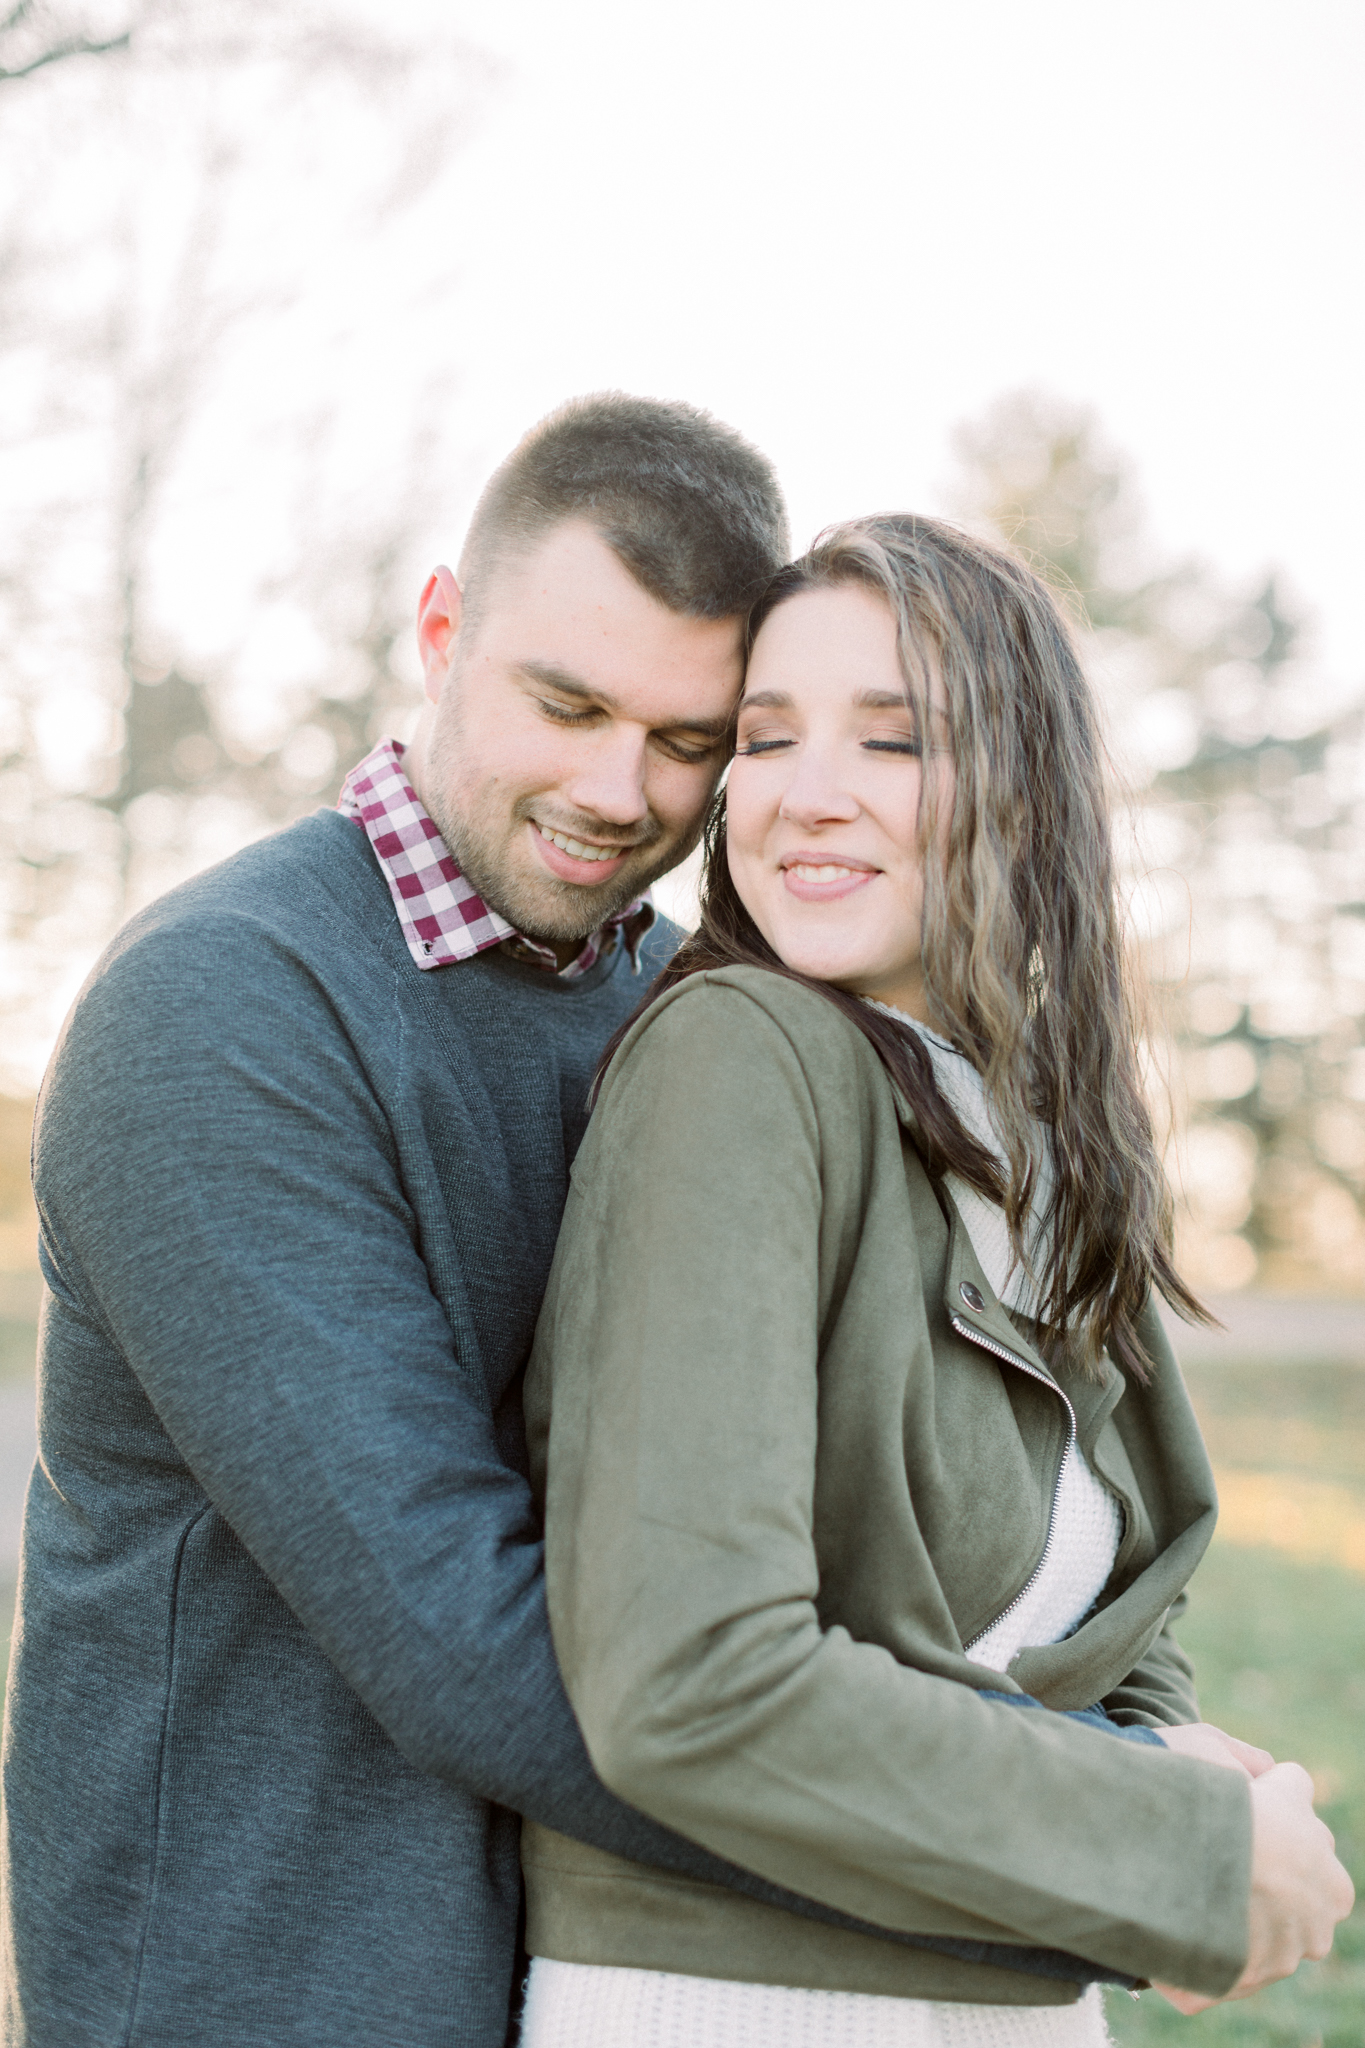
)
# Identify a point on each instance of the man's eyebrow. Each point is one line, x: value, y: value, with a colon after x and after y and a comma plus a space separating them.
x: 548, y: 677
x: 551, y: 678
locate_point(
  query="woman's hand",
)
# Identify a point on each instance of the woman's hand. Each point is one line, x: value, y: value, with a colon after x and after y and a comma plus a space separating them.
x: 1215, y: 1746
x: 1299, y: 1890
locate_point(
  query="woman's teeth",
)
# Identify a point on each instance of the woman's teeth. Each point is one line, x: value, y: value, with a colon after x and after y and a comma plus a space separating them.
x: 826, y: 872
x: 576, y: 847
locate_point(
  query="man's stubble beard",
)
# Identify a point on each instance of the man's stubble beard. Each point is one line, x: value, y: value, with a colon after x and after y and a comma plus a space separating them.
x: 546, y: 908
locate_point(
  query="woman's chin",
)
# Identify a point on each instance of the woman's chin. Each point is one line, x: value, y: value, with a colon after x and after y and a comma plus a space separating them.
x: 819, y: 964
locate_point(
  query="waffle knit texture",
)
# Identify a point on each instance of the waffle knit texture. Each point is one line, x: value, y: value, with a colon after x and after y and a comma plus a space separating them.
x: 570, y: 2005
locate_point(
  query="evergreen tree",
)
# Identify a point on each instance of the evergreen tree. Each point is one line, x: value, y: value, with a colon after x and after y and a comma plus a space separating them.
x: 1242, y: 787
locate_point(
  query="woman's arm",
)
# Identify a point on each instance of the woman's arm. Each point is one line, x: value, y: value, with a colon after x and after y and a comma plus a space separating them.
x: 1159, y: 1691
x: 682, y: 1325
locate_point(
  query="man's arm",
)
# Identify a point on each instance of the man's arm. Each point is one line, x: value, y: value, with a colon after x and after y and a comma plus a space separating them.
x: 219, y: 1190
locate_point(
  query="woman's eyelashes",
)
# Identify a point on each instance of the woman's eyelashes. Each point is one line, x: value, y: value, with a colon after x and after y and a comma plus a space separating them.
x: 879, y: 743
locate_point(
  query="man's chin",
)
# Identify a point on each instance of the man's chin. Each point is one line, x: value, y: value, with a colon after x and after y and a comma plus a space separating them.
x: 559, y: 912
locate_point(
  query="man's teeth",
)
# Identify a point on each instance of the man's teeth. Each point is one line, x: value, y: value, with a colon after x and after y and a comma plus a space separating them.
x: 577, y: 848
x: 827, y: 871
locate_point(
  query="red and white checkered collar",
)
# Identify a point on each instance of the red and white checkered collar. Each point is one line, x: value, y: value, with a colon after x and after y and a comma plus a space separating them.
x: 443, y: 918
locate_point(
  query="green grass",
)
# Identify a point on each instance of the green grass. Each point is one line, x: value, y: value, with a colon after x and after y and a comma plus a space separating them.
x: 1279, y: 1649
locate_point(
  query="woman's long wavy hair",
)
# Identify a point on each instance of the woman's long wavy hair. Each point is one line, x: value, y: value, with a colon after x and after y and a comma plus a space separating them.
x: 1023, y: 959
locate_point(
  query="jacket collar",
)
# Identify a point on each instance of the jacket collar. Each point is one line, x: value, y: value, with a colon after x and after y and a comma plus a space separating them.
x: 971, y: 1305
x: 973, y: 1309
x: 969, y: 1298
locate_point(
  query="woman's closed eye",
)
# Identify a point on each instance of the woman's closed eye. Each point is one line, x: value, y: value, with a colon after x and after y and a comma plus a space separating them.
x: 897, y: 743
x: 764, y: 745
x: 904, y: 744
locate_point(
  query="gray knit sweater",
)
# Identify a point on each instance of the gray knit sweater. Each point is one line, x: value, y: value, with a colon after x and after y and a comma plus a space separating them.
x: 283, y: 1679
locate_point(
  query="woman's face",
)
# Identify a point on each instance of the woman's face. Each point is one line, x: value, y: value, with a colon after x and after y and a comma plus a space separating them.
x: 823, y: 801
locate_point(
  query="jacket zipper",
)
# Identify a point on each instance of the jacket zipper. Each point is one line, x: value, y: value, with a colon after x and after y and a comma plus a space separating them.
x: 1022, y: 1365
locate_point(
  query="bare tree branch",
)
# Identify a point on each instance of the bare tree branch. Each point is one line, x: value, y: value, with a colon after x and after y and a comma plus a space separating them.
x: 53, y: 46
x: 55, y: 56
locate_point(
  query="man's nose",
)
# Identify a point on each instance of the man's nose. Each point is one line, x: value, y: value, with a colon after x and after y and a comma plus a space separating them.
x: 610, y: 782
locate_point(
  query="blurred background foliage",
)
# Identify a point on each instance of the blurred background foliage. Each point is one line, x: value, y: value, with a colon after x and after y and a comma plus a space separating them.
x: 229, y: 337
x: 226, y: 347
x: 228, y: 353
x: 1242, y: 832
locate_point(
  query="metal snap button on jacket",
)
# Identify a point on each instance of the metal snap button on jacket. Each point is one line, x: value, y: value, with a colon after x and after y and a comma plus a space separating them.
x: 971, y: 1295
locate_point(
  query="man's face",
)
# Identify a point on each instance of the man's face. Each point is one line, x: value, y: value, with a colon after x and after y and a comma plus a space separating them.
x: 575, y: 732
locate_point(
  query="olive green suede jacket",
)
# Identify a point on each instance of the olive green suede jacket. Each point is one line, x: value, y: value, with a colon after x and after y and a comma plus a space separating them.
x: 795, y: 1458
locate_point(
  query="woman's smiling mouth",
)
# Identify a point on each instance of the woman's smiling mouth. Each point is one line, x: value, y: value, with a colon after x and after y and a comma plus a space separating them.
x: 820, y: 877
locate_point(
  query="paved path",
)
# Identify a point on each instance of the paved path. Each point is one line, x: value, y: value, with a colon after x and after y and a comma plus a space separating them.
x: 1293, y: 1330
x: 18, y: 1446
x: 1258, y: 1327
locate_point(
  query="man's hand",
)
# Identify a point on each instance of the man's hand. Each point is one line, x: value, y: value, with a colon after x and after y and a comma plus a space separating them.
x: 1299, y: 1890
x: 1215, y: 1746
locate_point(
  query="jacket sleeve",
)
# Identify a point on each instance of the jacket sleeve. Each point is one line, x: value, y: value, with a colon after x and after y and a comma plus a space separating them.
x: 1159, y: 1691
x: 221, y: 1200
x: 681, y: 1331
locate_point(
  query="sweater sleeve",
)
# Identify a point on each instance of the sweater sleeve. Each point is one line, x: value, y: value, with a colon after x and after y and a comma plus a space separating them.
x: 681, y: 1331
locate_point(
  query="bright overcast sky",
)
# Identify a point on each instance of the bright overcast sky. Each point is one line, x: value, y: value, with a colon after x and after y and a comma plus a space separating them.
x: 844, y: 230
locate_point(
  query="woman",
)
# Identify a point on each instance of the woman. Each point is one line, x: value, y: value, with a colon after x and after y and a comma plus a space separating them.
x: 862, y: 1430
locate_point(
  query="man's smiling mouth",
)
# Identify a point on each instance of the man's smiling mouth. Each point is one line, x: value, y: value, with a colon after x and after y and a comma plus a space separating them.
x: 577, y: 849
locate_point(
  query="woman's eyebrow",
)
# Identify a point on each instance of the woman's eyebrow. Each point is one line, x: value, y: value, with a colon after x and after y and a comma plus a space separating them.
x: 883, y: 700
x: 865, y: 700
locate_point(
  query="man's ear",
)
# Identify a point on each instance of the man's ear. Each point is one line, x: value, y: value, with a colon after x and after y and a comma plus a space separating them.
x: 438, y: 621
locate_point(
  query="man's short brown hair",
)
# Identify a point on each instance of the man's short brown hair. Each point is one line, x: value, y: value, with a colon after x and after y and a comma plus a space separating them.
x: 693, y: 511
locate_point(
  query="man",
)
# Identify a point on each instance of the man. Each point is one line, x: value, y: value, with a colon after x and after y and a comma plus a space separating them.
x: 283, y: 1681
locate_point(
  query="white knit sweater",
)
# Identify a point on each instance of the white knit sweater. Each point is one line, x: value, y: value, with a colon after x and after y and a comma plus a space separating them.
x: 575, y: 2005
x: 580, y: 2005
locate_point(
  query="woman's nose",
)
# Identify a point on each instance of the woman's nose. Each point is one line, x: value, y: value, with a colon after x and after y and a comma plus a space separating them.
x: 816, y: 794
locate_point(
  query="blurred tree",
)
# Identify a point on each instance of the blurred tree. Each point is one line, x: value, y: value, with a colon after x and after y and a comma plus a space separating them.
x: 225, y: 340
x: 1245, y: 802
x: 33, y: 36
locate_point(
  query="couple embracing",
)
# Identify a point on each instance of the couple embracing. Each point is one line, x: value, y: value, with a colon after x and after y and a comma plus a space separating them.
x: 722, y: 1550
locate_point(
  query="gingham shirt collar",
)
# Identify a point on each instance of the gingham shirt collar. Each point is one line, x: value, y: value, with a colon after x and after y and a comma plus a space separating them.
x: 443, y: 918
